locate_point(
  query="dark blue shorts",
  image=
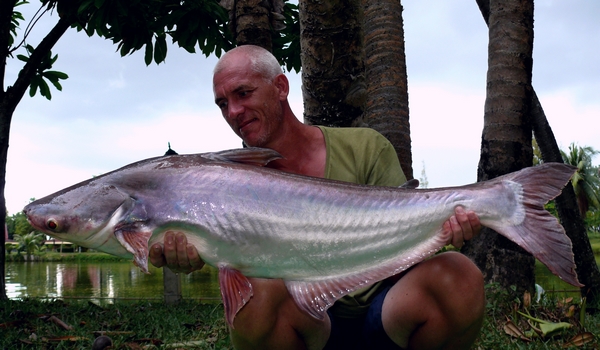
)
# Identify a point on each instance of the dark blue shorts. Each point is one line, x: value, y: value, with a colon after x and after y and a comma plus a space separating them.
x: 361, y: 333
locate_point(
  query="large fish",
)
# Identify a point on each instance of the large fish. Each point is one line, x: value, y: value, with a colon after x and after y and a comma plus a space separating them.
x: 323, y: 238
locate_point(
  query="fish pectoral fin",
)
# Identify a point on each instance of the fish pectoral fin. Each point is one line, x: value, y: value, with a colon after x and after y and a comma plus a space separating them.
x: 236, y: 291
x: 135, y: 242
x: 251, y: 156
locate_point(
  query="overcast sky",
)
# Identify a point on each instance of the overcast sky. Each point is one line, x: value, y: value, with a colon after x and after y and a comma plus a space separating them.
x: 114, y: 111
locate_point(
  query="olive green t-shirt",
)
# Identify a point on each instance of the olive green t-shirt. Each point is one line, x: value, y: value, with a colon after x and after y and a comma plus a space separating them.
x: 362, y: 156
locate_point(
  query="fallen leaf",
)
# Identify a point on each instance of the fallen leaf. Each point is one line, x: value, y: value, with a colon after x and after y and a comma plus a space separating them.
x: 66, y: 337
x: 548, y: 328
x: 511, y: 329
x: 579, y: 340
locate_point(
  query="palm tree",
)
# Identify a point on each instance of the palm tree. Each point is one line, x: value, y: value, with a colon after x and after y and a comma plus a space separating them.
x: 29, y: 242
x: 506, y: 139
x: 586, y: 182
x: 332, y: 61
x: 386, y: 107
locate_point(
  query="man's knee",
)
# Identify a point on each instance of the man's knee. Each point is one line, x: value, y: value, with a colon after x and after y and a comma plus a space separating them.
x: 271, y: 320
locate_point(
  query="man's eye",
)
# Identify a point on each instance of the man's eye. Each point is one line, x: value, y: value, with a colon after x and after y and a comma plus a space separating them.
x: 222, y: 105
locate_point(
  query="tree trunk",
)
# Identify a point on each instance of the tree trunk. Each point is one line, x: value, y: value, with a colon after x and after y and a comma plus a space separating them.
x: 6, y: 10
x: 566, y: 203
x: 386, y: 108
x: 9, y: 100
x: 506, y: 139
x: 332, y: 61
x: 250, y: 21
x: 568, y: 211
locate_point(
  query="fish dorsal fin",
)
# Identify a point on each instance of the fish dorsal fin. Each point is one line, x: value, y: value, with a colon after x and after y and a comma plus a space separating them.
x: 410, y: 184
x: 236, y: 291
x: 251, y: 156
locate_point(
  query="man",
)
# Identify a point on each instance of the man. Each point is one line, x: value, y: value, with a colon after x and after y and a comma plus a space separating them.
x: 438, y: 303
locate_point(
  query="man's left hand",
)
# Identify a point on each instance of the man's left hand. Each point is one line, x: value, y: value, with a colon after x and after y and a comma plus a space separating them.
x: 463, y: 226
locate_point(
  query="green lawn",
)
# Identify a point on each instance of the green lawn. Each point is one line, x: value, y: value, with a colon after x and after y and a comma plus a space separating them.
x: 32, y: 324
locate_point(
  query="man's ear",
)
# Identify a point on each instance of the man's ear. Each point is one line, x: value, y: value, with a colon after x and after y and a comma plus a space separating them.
x: 282, y: 83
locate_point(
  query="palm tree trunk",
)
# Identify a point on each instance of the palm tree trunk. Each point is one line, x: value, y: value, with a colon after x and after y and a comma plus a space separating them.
x: 566, y: 203
x: 250, y: 21
x: 568, y: 212
x: 386, y: 108
x: 332, y: 61
x: 506, y: 139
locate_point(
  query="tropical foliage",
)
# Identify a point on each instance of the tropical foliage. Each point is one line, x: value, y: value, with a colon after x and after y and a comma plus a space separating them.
x: 30, y: 242
x: 586, y: 181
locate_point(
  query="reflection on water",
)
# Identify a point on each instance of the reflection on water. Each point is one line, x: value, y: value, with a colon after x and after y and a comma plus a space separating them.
x: 123, y: 280
x: 101, y: 281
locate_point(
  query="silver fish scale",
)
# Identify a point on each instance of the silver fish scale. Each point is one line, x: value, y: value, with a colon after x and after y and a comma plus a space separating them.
x: 323, y: 229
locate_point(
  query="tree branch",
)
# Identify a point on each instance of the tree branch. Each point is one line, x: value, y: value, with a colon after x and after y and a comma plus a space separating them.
x: 6, y: 11
x: 16, y: 92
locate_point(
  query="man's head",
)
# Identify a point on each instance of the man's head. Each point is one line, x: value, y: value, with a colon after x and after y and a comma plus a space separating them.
x: 251, y: 91
x: 259, y: 60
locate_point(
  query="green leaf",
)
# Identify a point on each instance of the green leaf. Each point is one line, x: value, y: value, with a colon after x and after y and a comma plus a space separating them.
x: 160, y: 48
x: 549, y: 328
x: 45, y: 89
x: 84, y: 6
x: 55, y: 75
x: 148, y: 53
x: 23, y: 58
x: 33, y: 86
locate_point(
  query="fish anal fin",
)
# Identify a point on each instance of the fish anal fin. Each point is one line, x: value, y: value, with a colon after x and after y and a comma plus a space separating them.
x: 315, y: 297
x: 135, y: 242
x: 236, y: 291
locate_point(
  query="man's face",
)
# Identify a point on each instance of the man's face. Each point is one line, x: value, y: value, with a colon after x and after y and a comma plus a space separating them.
x: 250, y: 104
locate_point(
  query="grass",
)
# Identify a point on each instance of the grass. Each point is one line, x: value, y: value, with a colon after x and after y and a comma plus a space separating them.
x: 29, y: 324
x: 555, y: 322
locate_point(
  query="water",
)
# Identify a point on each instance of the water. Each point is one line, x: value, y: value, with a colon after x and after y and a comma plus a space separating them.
x: 107, y: 281
x: 103, y: 282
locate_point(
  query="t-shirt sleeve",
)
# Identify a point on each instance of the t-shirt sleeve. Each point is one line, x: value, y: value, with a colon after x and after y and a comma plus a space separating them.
x: 362, y: 156
x: 386, y: 170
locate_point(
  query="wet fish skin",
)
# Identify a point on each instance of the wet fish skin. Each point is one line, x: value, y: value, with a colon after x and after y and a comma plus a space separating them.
x: 323, y: 238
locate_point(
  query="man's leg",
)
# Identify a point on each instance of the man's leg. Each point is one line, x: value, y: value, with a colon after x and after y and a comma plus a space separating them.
x: 271, y: 320
x: 438, y: 304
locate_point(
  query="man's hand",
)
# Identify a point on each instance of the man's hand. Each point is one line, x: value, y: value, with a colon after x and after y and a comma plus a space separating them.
x: 176, y: 254
x: 463, y: 226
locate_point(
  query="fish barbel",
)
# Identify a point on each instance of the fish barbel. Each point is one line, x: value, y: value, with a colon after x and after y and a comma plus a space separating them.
x: 324, y: 238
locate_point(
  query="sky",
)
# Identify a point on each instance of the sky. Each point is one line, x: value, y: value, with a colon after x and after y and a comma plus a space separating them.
x: 115, y: 110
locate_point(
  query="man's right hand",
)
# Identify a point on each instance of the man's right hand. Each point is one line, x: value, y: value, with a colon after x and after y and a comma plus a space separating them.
x: 176, y: 254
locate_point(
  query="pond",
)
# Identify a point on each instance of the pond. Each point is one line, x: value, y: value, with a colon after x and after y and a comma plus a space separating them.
x: 108, y: 281
x: 103, y: 281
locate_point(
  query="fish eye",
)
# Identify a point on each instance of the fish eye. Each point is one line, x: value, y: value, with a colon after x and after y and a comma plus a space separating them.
x: 52, y: 224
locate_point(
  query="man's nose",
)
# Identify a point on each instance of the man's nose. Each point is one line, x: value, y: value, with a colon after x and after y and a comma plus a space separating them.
x: 234, y: 109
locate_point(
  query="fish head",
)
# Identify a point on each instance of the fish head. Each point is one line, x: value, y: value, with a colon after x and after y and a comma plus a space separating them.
x: 85, y: 214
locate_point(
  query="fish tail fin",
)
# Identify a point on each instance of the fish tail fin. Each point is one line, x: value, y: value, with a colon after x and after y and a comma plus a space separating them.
x: 539, y: 232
